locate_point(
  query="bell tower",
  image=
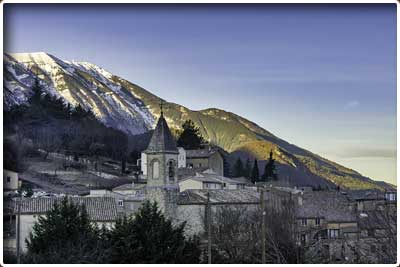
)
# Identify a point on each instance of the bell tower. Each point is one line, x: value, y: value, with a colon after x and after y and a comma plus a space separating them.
x: 162, y: 165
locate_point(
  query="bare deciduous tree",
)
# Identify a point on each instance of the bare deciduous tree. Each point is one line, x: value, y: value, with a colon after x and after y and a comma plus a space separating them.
x: 236, y: 235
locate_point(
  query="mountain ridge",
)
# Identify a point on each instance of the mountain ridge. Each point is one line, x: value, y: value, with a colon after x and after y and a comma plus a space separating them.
x: 123, y: 105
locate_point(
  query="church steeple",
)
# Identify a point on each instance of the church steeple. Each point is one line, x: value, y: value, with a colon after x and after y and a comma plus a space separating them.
x: 161, y: 110
x: 161, y: 155
x: 162, y: 140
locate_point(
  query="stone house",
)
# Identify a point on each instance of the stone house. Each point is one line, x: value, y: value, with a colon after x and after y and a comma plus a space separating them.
x: 206, y: 158
x: 192, y: 205
x: 378, y: 235
x: 209, y: 180
x: 10, y: 180
x: 346, y: 227
x: 101, y: 210
x: 199, y: 182
x: 324, y: 220
x: 366, y: 199
x: 126, y: 203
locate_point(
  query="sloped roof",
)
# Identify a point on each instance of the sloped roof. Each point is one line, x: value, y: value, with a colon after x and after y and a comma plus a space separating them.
x: 218, y: 196
x: 330, y: 205
x: 162, y: 140
x: 198, y: 153
x: 220, y: 178
x: 128, y: 186
x: 202, y: 178
x: 365, y: 194
x: 210, y: 176
x: 98, y: 208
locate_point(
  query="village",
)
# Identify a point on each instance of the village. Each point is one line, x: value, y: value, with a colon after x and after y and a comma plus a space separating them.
x: 189, y: 185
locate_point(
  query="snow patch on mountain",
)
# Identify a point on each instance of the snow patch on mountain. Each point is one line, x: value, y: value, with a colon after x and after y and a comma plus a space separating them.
x: 77, y: 83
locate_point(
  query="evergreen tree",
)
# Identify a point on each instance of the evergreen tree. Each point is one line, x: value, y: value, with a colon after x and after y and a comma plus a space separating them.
x: 255, y: 176
x: 37, y: 93
x: 190, y: 137
x: 238, y: 168
x: 247, y: 169
x: 151, y: 238
x: 64, y: 235
x: 270, y: 170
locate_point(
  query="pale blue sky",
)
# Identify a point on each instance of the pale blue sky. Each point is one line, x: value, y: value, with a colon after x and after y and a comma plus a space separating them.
x: 320, y: 76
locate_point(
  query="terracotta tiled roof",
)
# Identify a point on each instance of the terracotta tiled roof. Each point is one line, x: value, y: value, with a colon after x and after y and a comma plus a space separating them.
x: 98, y: 208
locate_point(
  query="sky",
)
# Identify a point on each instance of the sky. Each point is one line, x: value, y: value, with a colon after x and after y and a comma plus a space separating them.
x: 322, y: 77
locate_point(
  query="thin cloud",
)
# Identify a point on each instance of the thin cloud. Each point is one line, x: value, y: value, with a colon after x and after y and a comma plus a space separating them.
x: 352, y: 104
x: 370, y: 153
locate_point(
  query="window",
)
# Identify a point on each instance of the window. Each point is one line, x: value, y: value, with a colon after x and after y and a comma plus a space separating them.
x: 390, y: 196
x: 333, y: 233
x: 303, y: 222
x: 8, y: 179
x: 171, y: 170
x: 317, y: 221
x: 156, y: 170
x: 120, y: 202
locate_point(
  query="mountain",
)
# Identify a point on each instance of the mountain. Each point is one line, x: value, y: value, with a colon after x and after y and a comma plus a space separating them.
x: 123, y: 105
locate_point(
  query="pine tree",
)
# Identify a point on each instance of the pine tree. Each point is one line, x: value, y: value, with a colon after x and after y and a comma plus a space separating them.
x: 270, y: 170
x: 63, y: 235
x: 247, y: 169
x: 151, y: 238
x: 190, y: 137
x: 37, y: 93
x: 255, y: 176
x: 238, y: 168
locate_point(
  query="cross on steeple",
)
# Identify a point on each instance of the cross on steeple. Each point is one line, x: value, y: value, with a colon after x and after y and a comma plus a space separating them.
x: 161, y: 106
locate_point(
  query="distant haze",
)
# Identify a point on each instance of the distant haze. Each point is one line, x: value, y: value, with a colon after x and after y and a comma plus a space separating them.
x: 320, y: 76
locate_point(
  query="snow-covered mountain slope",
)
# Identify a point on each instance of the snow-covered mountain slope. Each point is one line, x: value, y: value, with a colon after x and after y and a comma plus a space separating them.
x: 123, y: 105
x: 77, y: 83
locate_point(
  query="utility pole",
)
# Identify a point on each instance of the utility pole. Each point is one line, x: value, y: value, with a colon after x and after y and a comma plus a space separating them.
x: 19, y: 224
x: 208, y: 207
x: 263, y: 230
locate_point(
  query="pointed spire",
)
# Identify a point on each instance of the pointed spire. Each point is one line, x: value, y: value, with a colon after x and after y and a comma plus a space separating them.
x: 162, y: 139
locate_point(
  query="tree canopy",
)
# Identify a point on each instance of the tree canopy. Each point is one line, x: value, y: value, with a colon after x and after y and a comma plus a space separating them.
x: 270, y: 170
x: 238, y: 170
x: 64, y: 235
x: 255, y: 175
x: 190, y: 138
x: 151, y: 238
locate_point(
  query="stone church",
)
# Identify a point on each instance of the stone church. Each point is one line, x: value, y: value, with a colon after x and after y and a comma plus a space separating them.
x: 163, y: 187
